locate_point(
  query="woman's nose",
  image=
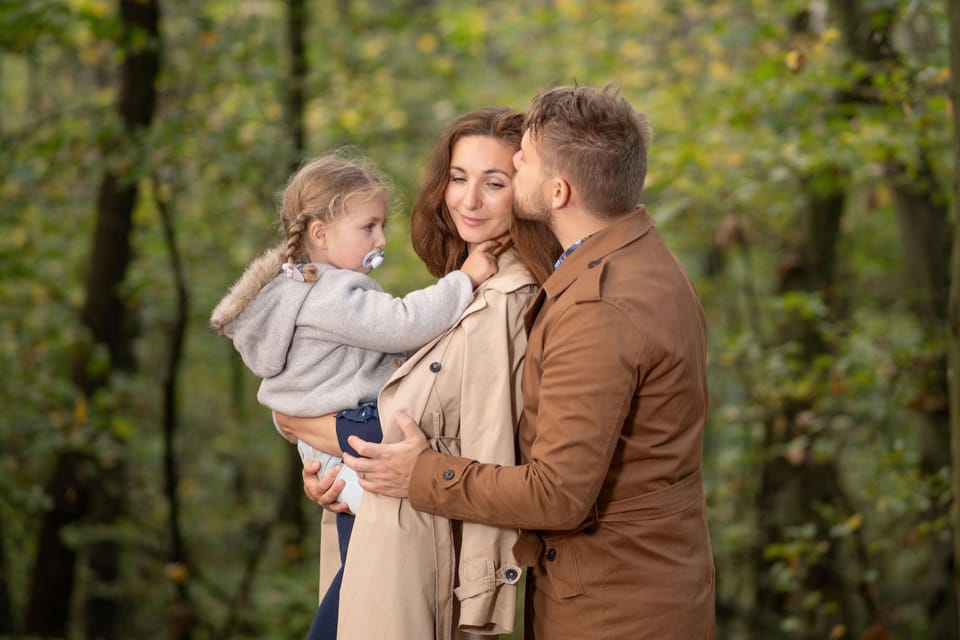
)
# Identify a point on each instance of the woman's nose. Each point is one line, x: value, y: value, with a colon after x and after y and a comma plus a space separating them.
x: 473, y: 199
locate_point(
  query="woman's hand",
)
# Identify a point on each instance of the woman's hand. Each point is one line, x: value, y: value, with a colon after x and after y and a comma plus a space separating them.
x: 324, y: 491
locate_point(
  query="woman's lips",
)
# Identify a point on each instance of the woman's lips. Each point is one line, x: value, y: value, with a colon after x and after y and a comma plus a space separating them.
x: 472, y: 222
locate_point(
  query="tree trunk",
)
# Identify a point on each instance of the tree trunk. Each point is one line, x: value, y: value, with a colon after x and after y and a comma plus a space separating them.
x: 291, y: 502
x: 182, y: 615
x: 6, y: 606
x: 953, y: 311
x: 924, y: 227
x: 790, y: 488
x: 81, y: 487
x: 53, y: 572
x: 105, y: 312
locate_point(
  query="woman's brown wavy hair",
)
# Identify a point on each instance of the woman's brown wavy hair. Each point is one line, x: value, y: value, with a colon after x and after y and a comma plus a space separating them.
x: 433, y: 232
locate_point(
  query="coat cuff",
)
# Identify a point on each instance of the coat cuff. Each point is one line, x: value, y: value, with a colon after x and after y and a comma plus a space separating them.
x: 434, y: 475
x: 488, y: 597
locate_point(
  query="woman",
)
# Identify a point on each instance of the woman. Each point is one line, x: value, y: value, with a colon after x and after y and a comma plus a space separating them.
x: 431, y: 577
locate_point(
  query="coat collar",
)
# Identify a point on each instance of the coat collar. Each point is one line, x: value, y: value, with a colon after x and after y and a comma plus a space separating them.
x: 620, y: 233
x: 511, y: 275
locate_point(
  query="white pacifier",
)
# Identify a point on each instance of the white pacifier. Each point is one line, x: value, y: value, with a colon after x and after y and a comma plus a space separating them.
x: 373, y: 259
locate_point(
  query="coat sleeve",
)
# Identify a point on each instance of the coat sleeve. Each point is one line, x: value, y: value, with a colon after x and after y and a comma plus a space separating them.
x: 491, y: 404
x: 589, y: 377
x: 353, y: 312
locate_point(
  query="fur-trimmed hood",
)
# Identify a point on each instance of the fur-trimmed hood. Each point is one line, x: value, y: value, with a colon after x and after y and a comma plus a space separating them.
x: 261, y: 271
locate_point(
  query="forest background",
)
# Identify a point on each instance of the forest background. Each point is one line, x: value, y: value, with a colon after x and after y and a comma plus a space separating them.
x: 803, y: 170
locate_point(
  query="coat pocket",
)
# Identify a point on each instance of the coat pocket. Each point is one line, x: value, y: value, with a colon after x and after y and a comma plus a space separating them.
x: 561, y: 566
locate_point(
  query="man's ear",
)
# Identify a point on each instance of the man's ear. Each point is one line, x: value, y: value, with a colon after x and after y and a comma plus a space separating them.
x: 317, y: 234
x: 559, y: 193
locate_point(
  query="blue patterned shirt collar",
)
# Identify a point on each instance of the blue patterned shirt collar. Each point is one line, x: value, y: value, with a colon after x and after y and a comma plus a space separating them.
x: 570, y: 250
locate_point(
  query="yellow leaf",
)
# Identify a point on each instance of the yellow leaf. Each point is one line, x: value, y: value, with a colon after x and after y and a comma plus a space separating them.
x: 853, y: 522
x: 11, y: 189
x: 80, y: 411
x: 570, y: 9
x: 395, y: 118
x: 427, y: 43
x: 831, y: 34
x: 719, y: 69
x: 350, y: 119
x: 164, y: 192
x: 91, y: 55
x: 794, y: 60
x: 176, y: 572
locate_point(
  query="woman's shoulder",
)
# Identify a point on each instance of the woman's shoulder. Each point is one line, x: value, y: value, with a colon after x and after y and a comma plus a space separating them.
x: 512, y: 274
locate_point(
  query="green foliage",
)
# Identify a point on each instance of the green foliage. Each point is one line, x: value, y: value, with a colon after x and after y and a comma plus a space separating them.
x: 750, y: 124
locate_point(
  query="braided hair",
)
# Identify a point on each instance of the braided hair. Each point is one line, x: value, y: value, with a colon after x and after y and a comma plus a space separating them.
x: 319, y: 190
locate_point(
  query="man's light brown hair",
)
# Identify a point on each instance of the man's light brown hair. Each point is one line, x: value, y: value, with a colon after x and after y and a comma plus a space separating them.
x: 595, y: 140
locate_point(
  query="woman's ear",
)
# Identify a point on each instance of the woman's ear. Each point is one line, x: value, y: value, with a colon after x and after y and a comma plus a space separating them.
x: 317, y: 234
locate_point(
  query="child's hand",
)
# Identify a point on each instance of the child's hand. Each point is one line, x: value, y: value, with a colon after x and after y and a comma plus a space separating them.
x: 324, y: 491
x: 481, y: 263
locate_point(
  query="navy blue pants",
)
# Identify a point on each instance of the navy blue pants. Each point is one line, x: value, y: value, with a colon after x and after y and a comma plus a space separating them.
x: 363, y: 421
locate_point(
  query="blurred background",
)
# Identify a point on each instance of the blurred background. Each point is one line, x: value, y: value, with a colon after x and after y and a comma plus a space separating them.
x: 802, y: 169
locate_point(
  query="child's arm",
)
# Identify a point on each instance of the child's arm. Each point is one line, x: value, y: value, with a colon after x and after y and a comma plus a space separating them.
x: 364, y: 317
x: 481, y: 263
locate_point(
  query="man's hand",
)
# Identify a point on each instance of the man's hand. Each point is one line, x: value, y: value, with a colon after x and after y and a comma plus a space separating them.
x: 386, y: 468
x: 323, y: 491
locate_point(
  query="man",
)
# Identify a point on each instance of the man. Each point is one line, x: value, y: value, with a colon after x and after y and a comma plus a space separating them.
x: 608, y: 493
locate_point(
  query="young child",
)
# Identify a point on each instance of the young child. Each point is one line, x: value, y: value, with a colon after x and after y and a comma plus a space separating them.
x: 309, y: 321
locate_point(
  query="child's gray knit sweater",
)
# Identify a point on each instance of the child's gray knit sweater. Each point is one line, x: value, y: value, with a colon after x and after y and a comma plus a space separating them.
x: 329, y: 345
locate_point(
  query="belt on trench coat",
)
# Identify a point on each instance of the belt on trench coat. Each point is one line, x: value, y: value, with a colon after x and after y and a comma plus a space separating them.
x: 656, y: 504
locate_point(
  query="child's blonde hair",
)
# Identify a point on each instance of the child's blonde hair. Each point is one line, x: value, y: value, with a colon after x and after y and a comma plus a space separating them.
x: 319, y: 190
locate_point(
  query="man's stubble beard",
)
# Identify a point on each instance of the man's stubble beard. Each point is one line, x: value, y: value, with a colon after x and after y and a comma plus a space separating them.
x: 536, y: 211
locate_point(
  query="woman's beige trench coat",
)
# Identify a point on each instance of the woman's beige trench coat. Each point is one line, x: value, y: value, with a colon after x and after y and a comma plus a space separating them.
x: 419, y: 576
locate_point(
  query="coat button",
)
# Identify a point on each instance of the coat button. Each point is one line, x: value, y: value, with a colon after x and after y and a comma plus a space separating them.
x: 434, y: 366
x: 593, y: 263
x: 448, y: 474
x: 510, y: 574
x: 397, y: 362
x: 551, y: 554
